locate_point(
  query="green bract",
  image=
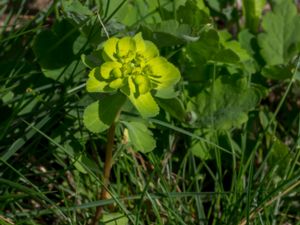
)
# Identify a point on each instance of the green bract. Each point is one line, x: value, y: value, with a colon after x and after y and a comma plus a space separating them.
x: 134, y: 67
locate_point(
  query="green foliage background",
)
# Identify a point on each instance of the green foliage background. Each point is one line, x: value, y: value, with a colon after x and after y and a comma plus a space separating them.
x: 225, y: 150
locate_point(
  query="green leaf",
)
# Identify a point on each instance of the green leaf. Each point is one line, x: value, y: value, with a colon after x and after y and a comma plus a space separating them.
x: 173, y: 106
x: 167, y: 33
x: 201, y: 5
x: 265, y: 118
x: 133, y: 11
x: 6, y: 96
x: 92, y: 60
x: 82, y: 161
x: 281, y: 38
x: 125, y: 48
x: 140, y: 137
x: 195, y: 14
x: 215, y: 4
x: 54, y: 48
x: 252, y: 10
x: 235, y: 47
x: 247, y: 63
x: 88, y: 25
x: 114, y: 219
x: 91, y: 118
x: 56, y: 51
x: 245, y: 40
x: 280, y: 156
x: 226, y: 56
x: 95, y: 82
x: 277, y: 72
x: 224, y: 105
x: 200, y: 150
x: 73, y: 70
x: 203, y: 49
x: 109, y: 49
x: 166, y: 75
x: 145, y: 104
x: 107, y: 67
x: 209, y: 48
x: 75, y: 6
x: 145, y: 48
x: 99, y: 115
x: 110, y: 106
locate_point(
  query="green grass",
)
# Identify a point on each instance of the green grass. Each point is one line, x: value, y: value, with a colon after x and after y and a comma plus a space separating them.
x: 51, y: 165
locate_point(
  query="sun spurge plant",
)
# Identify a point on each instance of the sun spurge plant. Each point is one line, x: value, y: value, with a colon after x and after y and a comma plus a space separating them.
x: 134, y: 68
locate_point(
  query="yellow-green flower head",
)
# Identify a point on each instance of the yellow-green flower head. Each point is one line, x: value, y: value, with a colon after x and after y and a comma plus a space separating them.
x: 134, y: 66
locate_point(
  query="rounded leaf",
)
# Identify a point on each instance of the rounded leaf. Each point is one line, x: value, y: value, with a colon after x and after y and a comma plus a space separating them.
x: 151, y: 51
x: 108, y: 69
x: 140, y: 137
x: 164, y: 75
x: 144, y: 103
x: 94, y: 82
x: 126, y: 48
x: 139, y: 42
x: 109, y: 49
x: 99, y: 115
x: 143, y: 84
x: 145, y: 49
x: 91, y: 118
x: 117, y: 83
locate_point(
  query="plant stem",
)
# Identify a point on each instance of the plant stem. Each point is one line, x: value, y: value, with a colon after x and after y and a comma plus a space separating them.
x: 107, y: 169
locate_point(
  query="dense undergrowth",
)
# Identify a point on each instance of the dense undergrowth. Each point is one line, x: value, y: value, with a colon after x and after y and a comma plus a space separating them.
x: 221, y: 147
